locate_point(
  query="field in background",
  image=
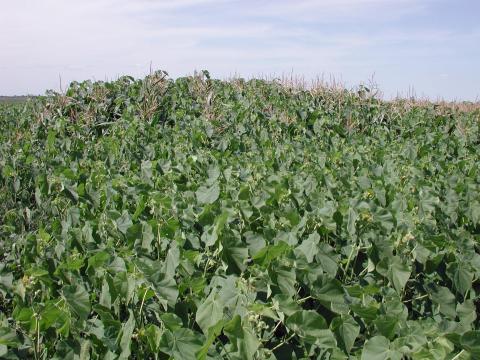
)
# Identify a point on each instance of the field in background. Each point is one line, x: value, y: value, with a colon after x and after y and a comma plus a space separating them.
x: 13, y: 99
x: 205, y: 219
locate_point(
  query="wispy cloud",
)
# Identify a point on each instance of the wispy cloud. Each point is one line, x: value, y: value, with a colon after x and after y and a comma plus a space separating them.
x: 399, y: 40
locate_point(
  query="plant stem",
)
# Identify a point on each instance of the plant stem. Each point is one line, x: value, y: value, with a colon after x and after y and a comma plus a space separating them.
x: 458, y: 355
x: 305, y: 299
x: 354, y: 247
x: 37, y: 346
x: 283, y: 342
x: 141, y: 305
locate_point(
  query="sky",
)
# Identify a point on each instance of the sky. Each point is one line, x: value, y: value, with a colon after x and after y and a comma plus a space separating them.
x: 427, y: 48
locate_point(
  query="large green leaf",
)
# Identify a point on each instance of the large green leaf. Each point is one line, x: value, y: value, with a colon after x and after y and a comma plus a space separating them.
x: 346, y: 330
x: 270, y: 253
x: 126, y: 339
x: 209, y: 312
x: 78, y: 300
x: 396, y: 271
x: 470, y: 341
x: 461, y: 277
x: 208, y: 195
x: 376, y: 348
x: 312, y: 327
x: 154, y: 335
x: 8, y: 337
x: 165, y: 287
x: 445, y: 301
x: 309, y: 247
x: 332, y: 295
x: 244, y: 342
x: 124, y: 222
x: 181, y: 344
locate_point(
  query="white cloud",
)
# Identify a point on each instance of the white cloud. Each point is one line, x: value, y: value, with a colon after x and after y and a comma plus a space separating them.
x: 105, y: 38
x: 332, y: 11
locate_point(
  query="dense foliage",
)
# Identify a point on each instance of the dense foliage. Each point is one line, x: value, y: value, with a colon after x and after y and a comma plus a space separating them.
x: 203, y: 219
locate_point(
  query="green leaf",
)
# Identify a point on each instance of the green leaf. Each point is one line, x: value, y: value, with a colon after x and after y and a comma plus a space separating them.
x: 6, y: 281
x: 332, y: 296
x: 124, y: 222
x: 181, y: 344
x: 24, y: 317
x: 328, y: 259
x: 312, y: 327
x: 399, y: 273
x: 346, y: 330
x: 78, y: 300
x: 171, y: 261
x: 445, y: 300
x: 367, y: 313
x: 235, y: 254
x: 351, y: 220
x: 124, y: 285
x: 385, y: 218
x: 396, y: 271
x: 461, y: 277
x: 8, y: 337
x: 309, y: 247
x: 165, y: 287
x: 467, y: 312
x: 270, y: 253
x: 126, y: 339
x: 470, y: 341
x: 147, y: 237
x: 171, y: 321
x: 153, y: 334
x: 244, y: 342
x: 255, y: 242
x: 286, y: 280
x: 98, y: 260
x: 285, y: 304
x: 208, y: 195
x: 146, y: 171
x: 210, y: 235
x: 209, y: 313
x: 105, y: 297
x: 213, y: 332
x: 386, y: 325
x: 376, y: 348
x: 54, y: 316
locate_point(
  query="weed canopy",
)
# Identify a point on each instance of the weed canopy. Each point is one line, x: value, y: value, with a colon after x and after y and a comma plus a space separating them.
x: 203, y: 219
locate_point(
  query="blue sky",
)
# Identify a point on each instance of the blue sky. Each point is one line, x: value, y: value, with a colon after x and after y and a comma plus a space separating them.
x: 427, y: 47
